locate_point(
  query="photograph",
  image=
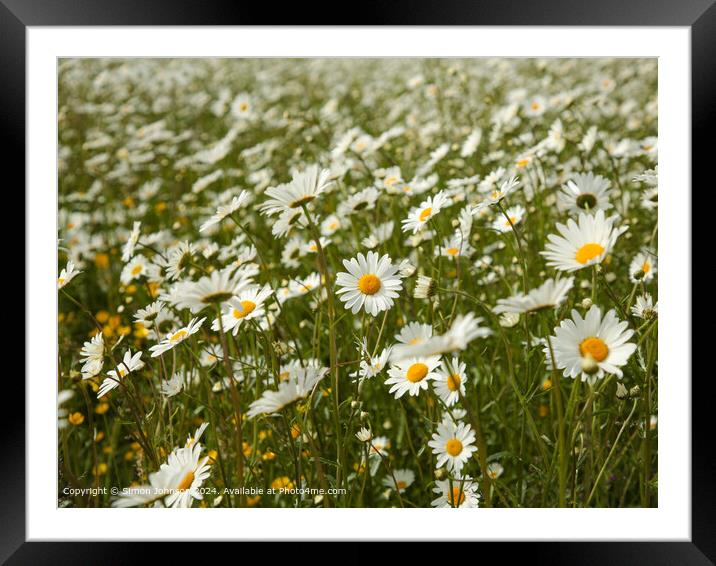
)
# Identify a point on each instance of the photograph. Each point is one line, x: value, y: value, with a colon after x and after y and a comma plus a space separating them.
x: 357, y: 282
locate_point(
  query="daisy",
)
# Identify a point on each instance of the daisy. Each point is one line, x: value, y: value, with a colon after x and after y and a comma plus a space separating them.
x: 535, y: 106
x: 458, y: 492
x: 496, y: 196
x: 330, y: 224
x: 177, y: 483
x: 549, y: 295
x: 370, y: 366
x: 173, y: 386
x: 92, y: 356
x: 292, y: 252
x: 177, y: 337
x: 372, y: 282
x: 645, y: 307
x: 178, y: 259
x: 591, y: 346
x: 247, y: 305
x: 400, y: 480
x: 67, y: 274
x: 450, y: 381
x: 514, y: 217
x: 364, y: 435
x: 455, y: 246
x: 420, y: 216
x: 128, y: 249
x: 587, y: 192
x: 464, y: 329
x: 214, y: 289
x: 128, y: 364
x: 494, y: 470
x: 425, y: 288
x: 380, y: 235
x: 148, y: 315
x: 241, y: 106
x: 414, y: 333
x: 453, y: 445
x: 582, y: 243
x: 299, y: 385
x: 642, y: 268
x: 136, y: 268
x: 411, y: 375
x: 303, y: 188
x: 363, y: 200
x: 226, y: 210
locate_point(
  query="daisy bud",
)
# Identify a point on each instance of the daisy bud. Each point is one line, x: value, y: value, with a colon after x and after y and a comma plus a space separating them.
x: 439, y: 473
x: 634, y: 391
x: 589, y: 365
x: 587, y: 303
x: 363, y: 415
x: 355, y: 404
x: 622, y: 392
x: 425, y: 288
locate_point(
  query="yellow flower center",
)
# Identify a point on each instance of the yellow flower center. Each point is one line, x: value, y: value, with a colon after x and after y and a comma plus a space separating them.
x: 61, y: 280
x: 136, y: 270
x: 247, y: 308
x: 511, y: 222
x: 458, y: 497
x: 646, y: 267
x: 369, y: 284
x: 453, y: 382
x: 390, y: 181
x: 595, y: 347
x: 495, y: 195
x: 535, y: 106
x: 587, y: 252
x: 402, y: 484
x: 522, y: 162
x: 453, y: 447
x: 178, y: 335
x: 417, y: 372
x: 186, y: 482
x: 425, y: 214
x: 243, y: 106
x: 452, y: 251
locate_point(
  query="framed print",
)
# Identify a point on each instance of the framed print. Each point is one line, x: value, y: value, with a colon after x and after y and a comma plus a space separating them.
x: 413, y: 279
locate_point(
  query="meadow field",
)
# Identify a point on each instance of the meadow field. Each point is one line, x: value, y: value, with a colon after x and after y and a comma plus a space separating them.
x: 357, y: 283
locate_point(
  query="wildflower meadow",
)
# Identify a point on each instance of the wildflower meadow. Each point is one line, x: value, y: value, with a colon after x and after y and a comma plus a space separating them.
x: 357, y: 283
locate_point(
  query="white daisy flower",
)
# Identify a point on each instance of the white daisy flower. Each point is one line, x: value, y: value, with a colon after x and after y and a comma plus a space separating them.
x: 128, y: 364
x: 178, y: 259
x: 458, y: 492
x: 514, y: 217
x: 227, y: 209
x: 591, y: 346
x: 177, y: 337
x: 418, y: 217
x: 645, y: 307
x: 173, y: 386
x: 411, y: 375
x: 549, y: 295
x: 425, y: 288
x: 67, y: 274
x: 380, y: 235
x: 494, y: 470
x: 453, y: 445
x: 582, y: 243
x: 496, y: 196
x: 455, y: 246
x: 148, y: 315
x: 360, y: 201
x: 364, y: 435
x: 299, y: 385
x: 247, y: 305
x: 372, y: 282
x: 214, y: 289
x: 399, y: 480
x: 136, y: 268
x: 585, y: 192
x: 450, y: 381
x: 464, y: 329
x: 330, y: 225
x: 128, y: 249
x: 303, y: 188
x: 642, y: 268
x: 92, y: 356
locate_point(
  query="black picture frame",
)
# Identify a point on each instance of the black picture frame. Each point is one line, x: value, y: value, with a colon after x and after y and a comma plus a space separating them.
x: 698, y: 15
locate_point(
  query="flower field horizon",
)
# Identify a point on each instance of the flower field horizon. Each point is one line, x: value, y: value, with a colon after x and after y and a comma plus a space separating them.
x: 357, y: 283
